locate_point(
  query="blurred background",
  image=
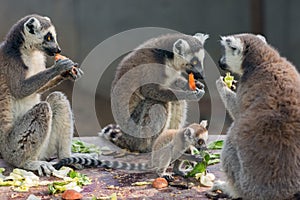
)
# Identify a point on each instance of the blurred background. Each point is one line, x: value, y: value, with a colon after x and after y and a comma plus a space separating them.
x: 83, y: 24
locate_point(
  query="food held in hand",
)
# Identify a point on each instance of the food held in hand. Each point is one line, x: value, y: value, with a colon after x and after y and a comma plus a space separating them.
x: 61, y: 57
x: 228, y: 79
x: 192, y: 82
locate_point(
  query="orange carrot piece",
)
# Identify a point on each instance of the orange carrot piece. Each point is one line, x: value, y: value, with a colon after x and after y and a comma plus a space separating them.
x: 59, y: 57
x: 192, y: 83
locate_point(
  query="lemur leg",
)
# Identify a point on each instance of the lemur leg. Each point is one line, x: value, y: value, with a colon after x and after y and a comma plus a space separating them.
x: 27, y: 138
x: 62, y: 127
x: 188, y: 157
x: 162, y: 161
x: 228, y: 97
x: 231, y: 166
x: 139, y: 131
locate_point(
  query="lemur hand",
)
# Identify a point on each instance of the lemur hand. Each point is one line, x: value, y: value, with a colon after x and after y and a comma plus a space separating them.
x: 73, y: 74
x: 63, y: 65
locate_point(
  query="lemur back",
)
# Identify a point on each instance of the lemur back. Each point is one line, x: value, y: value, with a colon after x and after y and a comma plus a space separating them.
x: 165, y: 62
x: 169, y: 147
x: 31, y: 129
x: 261, y: 154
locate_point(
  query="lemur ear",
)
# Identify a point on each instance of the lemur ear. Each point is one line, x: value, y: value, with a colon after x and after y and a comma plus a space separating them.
x: 262, y: 38
x: 203, y: 123
x: 32, y: 25
x: 180, y: 47
x: 47, y: 18
x: 188, y: 132
x: 201, y: 37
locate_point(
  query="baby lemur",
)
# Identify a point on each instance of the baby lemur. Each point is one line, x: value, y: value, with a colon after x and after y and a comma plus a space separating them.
x: 32, y: 130
x: 169, y: 147
x: 261, y: 155
x: 150, y: 90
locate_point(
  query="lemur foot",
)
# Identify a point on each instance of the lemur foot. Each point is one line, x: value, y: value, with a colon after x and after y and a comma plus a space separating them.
x: 111, y: 132
x: 43, y: 168
x: 222, y: 190
x: 168, y: 177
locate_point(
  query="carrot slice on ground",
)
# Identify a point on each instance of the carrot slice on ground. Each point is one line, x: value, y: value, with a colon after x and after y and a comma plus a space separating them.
x: 192, y: 83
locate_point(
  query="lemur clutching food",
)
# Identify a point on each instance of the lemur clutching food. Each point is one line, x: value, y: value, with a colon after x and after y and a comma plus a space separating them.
x: 32, y: 130
x: 169, y: 59
x: 169, y: 147
x: 261, y: 155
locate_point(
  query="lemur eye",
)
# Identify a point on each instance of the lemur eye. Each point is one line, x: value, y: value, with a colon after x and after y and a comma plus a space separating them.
x: 195, y: 62
x: 233, y: 48
x: 49, y: 37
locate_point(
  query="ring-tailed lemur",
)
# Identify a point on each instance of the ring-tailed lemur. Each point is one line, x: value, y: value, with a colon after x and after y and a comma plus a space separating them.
x: 32, y: 130
x: 167, y: 59
x: 169, y: 147
x: 261, y: 155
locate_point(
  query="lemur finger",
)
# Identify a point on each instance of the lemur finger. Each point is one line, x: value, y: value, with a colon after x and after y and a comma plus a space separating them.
x: 40, y: 171
x: 76, y: 65
x: 200, y: 85
x: 46, y: 169
x: 64, y: 65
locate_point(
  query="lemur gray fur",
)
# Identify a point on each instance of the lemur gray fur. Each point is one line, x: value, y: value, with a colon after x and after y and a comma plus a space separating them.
x: 261, y: 155
x: 169, y: 147
x: 167, y: 59
x: 32, y: 130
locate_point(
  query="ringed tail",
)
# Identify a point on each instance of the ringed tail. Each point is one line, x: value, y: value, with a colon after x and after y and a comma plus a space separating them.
x: 92, y: 162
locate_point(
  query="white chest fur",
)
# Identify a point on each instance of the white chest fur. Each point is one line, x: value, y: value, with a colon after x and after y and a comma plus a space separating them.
x: 21, y: 106
x: 35, y: 61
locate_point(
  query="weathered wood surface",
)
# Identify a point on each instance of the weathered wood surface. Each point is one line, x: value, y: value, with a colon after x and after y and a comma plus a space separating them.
x: 105, y: 182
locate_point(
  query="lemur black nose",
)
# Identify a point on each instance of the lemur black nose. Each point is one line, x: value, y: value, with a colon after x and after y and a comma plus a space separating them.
x: 58, y: 49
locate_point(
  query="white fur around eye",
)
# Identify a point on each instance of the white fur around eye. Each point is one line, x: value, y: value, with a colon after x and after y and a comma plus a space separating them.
x: 200, y: 55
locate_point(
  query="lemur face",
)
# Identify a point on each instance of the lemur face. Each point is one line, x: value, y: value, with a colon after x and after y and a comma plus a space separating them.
x: 197, y: 135
x: 190, y: 60
x: 40, y: 34
x: 234, y: 48
x: 232, y: 57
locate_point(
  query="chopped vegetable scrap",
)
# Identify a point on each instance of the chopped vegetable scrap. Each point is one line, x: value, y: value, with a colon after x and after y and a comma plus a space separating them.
x: 83, y: 147
x: 142, y: 183
x: 71, y: 195
x: 71, y: 180
x: 199, y: 170
x: 113, y: 196
x: 228, y: 79
x: 192, y: 82
x: 159, y: 183
x: 20, y: 180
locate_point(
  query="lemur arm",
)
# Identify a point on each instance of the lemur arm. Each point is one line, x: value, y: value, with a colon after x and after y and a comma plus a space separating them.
x: 178, y: 91
x: 52, y: 83
x: 58, y: 79
x: 228, y: 97
x: 23, y: 88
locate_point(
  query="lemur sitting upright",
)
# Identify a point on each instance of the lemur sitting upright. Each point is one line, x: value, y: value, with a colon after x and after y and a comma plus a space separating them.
x: 32, y: 130
x: 144, y: 110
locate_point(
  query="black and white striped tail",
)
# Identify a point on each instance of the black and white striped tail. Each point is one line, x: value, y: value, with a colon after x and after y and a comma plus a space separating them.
x: 92, y: 162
